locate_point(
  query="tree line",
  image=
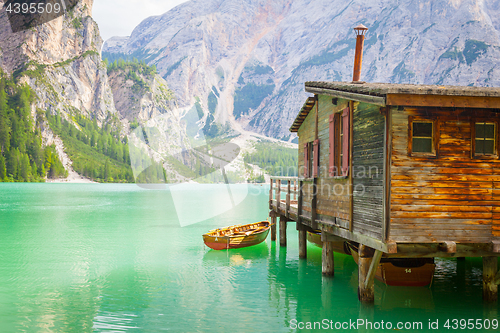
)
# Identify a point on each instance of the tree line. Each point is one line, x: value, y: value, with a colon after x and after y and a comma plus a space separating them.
x: 274, y: 159
x: 22, y: 156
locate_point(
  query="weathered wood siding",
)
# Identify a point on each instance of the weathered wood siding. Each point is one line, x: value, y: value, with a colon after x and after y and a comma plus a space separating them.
x: 333, y: 200
x: 451, y: 197
x: 368, y: 170
x: 334, y: 193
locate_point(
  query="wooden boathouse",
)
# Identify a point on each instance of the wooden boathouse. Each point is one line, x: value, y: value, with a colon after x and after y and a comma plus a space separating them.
x: 404, y: 170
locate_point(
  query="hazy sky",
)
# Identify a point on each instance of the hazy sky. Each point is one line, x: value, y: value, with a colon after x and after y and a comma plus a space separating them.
x: 120, y: 17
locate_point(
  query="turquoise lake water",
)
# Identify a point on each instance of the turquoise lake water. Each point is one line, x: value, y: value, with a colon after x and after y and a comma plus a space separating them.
x: 120, y: 258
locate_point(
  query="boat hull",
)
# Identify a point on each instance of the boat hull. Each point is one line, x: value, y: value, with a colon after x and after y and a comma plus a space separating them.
x: 339, y: 247
x: 408, y: 272
x: 214, y: 240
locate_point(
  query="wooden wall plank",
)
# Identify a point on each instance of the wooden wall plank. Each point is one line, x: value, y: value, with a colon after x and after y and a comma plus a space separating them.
x: 447, y: 197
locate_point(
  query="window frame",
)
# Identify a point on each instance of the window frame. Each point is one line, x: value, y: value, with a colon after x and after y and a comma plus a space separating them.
x: 311, y: 159
x: 435, y: 136
x: 495, y: 154
x: 336, y: 142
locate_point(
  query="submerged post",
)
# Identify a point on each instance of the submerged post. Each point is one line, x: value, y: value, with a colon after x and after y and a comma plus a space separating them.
x: 490, y: 288
x: 302, y: 241
x: 366, y: 290
x: 282, y: 231
x: 273, y: 225
x: 327, y: 257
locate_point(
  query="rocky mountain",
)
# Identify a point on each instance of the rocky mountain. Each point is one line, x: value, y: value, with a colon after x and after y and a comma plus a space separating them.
x: 86, y: 113
x: 245, y: 61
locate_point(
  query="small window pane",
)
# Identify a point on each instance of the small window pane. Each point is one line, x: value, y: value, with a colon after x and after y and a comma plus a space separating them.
x: 479, y: 146
x: 422, y: 145
x: 489, y: 131
x: 479, y: 130
x: 422, y: 129
x: 489, y: 147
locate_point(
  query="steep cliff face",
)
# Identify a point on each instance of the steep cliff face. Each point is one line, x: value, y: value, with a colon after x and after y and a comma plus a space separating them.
x: 147, y: 105
x: 61, y: 61
x: 247, y: 60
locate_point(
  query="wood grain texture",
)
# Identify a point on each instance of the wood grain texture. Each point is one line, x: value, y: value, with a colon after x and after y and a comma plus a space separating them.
x: 449, y: 197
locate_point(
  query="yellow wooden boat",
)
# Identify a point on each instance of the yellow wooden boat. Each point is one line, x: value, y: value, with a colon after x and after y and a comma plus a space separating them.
x: 237, y: 236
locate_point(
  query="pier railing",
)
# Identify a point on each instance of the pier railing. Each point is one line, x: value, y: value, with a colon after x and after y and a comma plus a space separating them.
x: 284, y: 195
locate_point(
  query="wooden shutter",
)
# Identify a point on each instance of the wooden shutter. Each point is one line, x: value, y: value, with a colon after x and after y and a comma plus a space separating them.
x: 306, y: 160
x: 345, y: 142
x: 316, y: 158
x: 331, y: 158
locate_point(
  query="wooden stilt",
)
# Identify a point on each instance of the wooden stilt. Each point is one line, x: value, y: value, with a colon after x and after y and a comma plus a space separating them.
x: 327, y: 259
x: 302, y: 244
x: 282, y: 230
x: 273, y: 227
x: 367, y: 266
x: 490, y: 288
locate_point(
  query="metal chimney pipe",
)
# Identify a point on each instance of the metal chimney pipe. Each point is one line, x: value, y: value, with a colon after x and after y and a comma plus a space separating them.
x: 358, y: 56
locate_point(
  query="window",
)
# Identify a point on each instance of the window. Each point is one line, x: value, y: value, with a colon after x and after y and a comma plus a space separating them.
x: 422, y: 140
x: 339, y: 143
x: 311, y: 159
x: 422, y: 137
x: 485, y: 139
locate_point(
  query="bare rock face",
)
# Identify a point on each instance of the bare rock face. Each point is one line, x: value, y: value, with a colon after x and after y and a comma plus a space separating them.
x: 248, y: 60
x: 142, y: 97
x: 60, y: 60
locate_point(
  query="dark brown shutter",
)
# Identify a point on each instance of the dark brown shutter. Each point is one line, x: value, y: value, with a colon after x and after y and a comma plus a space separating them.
x: 316, y: 158
x: 331, y: 158
x: 306, y: 160
x: 345, y: 143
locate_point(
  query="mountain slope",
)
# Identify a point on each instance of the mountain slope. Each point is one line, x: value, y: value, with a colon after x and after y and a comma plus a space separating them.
x: 247, y: 61
x: 73, y: 105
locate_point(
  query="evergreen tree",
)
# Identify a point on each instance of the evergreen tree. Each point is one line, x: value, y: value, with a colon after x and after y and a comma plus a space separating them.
x: 3, y: 169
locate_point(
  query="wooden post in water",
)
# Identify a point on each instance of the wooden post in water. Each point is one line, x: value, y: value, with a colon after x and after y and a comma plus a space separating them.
x: 282, y: 231
x: 366, y: 290
x: 490, y: 288
x: 327, y: 258
x: 273, y: 225
x: 302, y: 241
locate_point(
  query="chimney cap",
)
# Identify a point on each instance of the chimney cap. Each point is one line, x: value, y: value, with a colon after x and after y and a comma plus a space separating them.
x: 360, y: 29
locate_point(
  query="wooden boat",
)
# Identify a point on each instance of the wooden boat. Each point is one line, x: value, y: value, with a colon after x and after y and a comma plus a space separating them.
x: 339, y: 247
x: 410, y: 272
x: 237, y: 236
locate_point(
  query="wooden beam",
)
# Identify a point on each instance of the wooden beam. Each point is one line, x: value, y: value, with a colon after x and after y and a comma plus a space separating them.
x: 430, y: 250
x: 373, y: 269
x: 490, y: 288
x: 287, y: 210
x: 325, y: 237
x: 299, y: 203
x: 348, y: 95
x: 495, y: 246
x: 443, y: 101
x: 389, y: 247
x: 314, y: 201
x: 448, y: 247
x: 366, y: 294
